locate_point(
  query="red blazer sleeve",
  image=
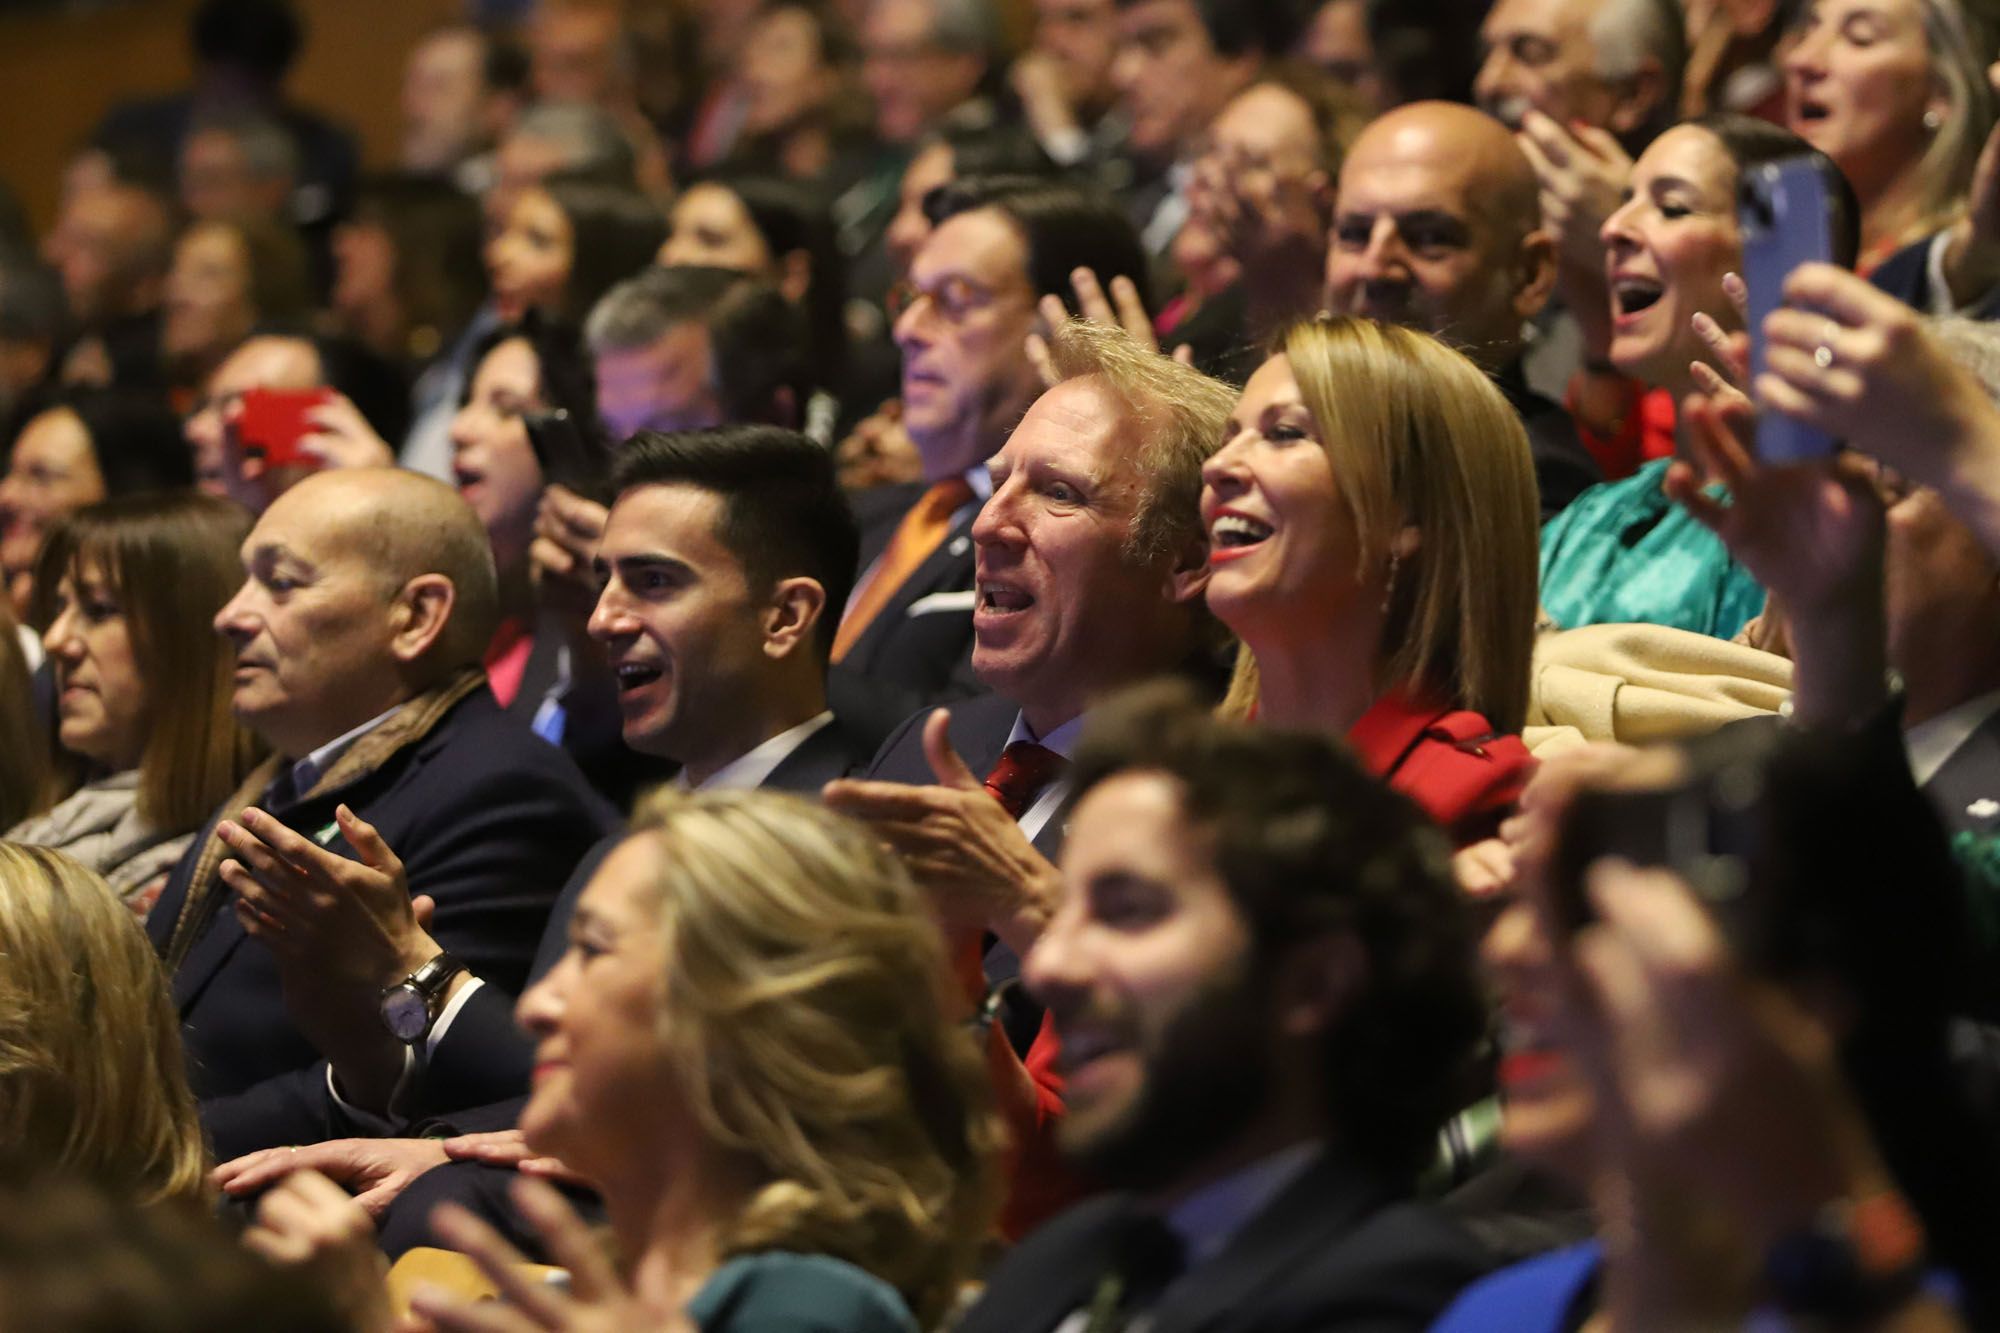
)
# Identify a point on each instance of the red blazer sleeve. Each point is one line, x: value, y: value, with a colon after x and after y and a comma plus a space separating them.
x: 1465, y: 777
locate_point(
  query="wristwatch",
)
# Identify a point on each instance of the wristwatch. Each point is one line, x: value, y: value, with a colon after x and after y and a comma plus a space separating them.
x: 411, y: 1005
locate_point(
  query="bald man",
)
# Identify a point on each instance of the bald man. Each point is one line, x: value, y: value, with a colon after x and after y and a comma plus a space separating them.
x: 368, y: 598
x: 1437, y: 226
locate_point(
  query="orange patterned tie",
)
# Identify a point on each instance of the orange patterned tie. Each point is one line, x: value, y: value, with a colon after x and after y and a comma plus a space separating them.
x: 919, y: 534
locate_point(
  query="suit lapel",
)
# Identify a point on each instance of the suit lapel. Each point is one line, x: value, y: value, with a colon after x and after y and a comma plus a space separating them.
x: 948, y: 568
x: 1307, y: 1220
x: 825, y: 755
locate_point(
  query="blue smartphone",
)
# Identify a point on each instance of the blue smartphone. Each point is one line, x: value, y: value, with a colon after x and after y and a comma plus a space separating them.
x: 1785, y: 211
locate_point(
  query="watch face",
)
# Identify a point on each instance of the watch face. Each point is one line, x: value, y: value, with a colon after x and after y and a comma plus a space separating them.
x: 405, y: 1012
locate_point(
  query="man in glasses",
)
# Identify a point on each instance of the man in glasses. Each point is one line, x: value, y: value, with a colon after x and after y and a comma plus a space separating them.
x: 997, y: 247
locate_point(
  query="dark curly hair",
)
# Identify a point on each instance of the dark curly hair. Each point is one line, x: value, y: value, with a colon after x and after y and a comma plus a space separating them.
x: 1310, y: 844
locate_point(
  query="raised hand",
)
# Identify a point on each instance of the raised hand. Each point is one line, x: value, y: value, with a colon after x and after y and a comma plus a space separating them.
x: 597, y: 1301
x: 308, y: 1223
x: 980, y: 870
x: 342, y: 437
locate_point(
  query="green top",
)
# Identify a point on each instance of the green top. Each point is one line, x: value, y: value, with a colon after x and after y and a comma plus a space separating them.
x: 783, y: 1292
x: 1623, y: 553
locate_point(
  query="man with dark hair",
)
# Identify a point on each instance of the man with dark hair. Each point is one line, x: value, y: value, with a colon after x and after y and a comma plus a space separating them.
x: 112, y: 245
x: 369, y: 597
x: 724, y: 564
x: 997, y: 246
x: 1178, y: 61
x: 1266, y: 988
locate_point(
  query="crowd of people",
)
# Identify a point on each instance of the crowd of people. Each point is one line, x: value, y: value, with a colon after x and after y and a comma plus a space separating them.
x: 1034, y: 666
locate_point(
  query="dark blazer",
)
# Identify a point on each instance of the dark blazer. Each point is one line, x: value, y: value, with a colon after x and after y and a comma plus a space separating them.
x: 1336, y: 1250
x: 484, y: 1057
x: 918, y: 649
x: 1564, y: 469
x: 487, y: 818
x: 1906, y: 275
x: 979, y: 730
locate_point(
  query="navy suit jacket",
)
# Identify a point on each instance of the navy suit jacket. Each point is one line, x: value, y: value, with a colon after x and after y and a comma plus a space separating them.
x: 978, y: 731
x: 1337, y: 1250
x: 478, y: 1074
x: 487, y: 817
x: 918, y: 648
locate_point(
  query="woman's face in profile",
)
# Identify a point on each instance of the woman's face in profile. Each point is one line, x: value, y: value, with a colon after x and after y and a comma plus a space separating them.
x: 1857, y: 84
x: 710, y: 226
x: 528, y: 261
x: 1281, y: 545
x: 492, y: 461
x: 604, y: 1087
x: 100, y: 690
x: 52, y: 472
x: 1666, y: 249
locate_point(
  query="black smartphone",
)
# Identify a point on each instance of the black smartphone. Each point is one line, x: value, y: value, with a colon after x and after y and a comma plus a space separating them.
x: 1713, y: 831
x: 571, y: 453
x: 1786, y: 213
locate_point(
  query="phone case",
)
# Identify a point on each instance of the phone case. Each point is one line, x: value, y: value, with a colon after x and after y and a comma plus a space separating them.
x: 1787, y: 220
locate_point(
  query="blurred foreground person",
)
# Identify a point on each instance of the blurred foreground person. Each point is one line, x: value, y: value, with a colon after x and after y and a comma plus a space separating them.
x: 1264, y: 983
x: 749, y: 1047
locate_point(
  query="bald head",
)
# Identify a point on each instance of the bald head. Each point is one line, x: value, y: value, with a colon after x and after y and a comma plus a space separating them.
x: 1437, y: 225
x: 406, y: 526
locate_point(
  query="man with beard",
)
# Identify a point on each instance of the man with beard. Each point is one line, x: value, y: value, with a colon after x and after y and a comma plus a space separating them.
x: 1436, y: 226
x: 1265, y: 988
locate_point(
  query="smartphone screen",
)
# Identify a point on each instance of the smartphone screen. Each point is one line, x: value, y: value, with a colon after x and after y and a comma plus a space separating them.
x: 274, y: 420
x: 1786, y: 212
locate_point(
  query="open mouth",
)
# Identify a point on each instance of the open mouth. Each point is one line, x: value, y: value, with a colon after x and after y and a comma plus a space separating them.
x: 1081, y: 1047
x: 1632, y: 295
x: 1808, y: 111
x: 467, y: 478
x: 1234, y: 532
x: 637, y: 676
x: 1003, y: 599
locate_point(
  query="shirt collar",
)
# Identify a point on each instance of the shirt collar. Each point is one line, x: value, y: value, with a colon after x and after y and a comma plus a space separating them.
x: 1931, y: 744
x: 307, y: 772
x: 981, y: 482
x: 749, y: 770
x: 1207, y: 1220
x: 1062, y: 740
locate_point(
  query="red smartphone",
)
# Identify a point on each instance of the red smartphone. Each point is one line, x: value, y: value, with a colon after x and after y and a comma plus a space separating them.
x: 274, y: 420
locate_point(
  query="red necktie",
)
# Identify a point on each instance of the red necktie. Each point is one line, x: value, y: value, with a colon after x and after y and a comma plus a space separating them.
x: 1024, y: 769
x: 921, y: 532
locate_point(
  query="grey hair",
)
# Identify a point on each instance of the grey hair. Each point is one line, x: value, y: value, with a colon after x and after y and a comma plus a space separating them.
x: 639, y: 311
x: 1628, y: 33
x: 592, y: 143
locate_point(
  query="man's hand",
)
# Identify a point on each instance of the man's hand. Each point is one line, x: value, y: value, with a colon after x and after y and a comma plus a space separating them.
x: 342, y: 437
x: 980, y: 870
x: 509, y: 1147
x: 1121, y: 309
x: 374, y: 1171
x: 309, y: 1223
x: 568, y: 528
x: 345, y: 920
x: 1582, y: 172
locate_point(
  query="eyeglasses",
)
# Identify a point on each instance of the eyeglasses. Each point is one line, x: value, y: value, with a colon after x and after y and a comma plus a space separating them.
x: 954, y: 299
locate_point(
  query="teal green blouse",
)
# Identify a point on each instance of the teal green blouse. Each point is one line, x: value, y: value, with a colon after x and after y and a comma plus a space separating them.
x: 1623, y: 553
x: 783, y: 1292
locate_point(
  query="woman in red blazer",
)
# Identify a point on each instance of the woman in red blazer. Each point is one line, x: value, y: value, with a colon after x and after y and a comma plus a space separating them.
x: 1372, y: 530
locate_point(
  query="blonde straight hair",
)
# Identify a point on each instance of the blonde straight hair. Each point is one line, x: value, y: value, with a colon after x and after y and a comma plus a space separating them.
x: 1419, y: 436
x: 809, y: 1012
x: 92, y: 1079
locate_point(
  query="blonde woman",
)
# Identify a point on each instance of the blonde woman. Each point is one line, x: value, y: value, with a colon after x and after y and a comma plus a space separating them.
x: 91, y: 1075
x: 1372, y: 523
x: 749, y: 1049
